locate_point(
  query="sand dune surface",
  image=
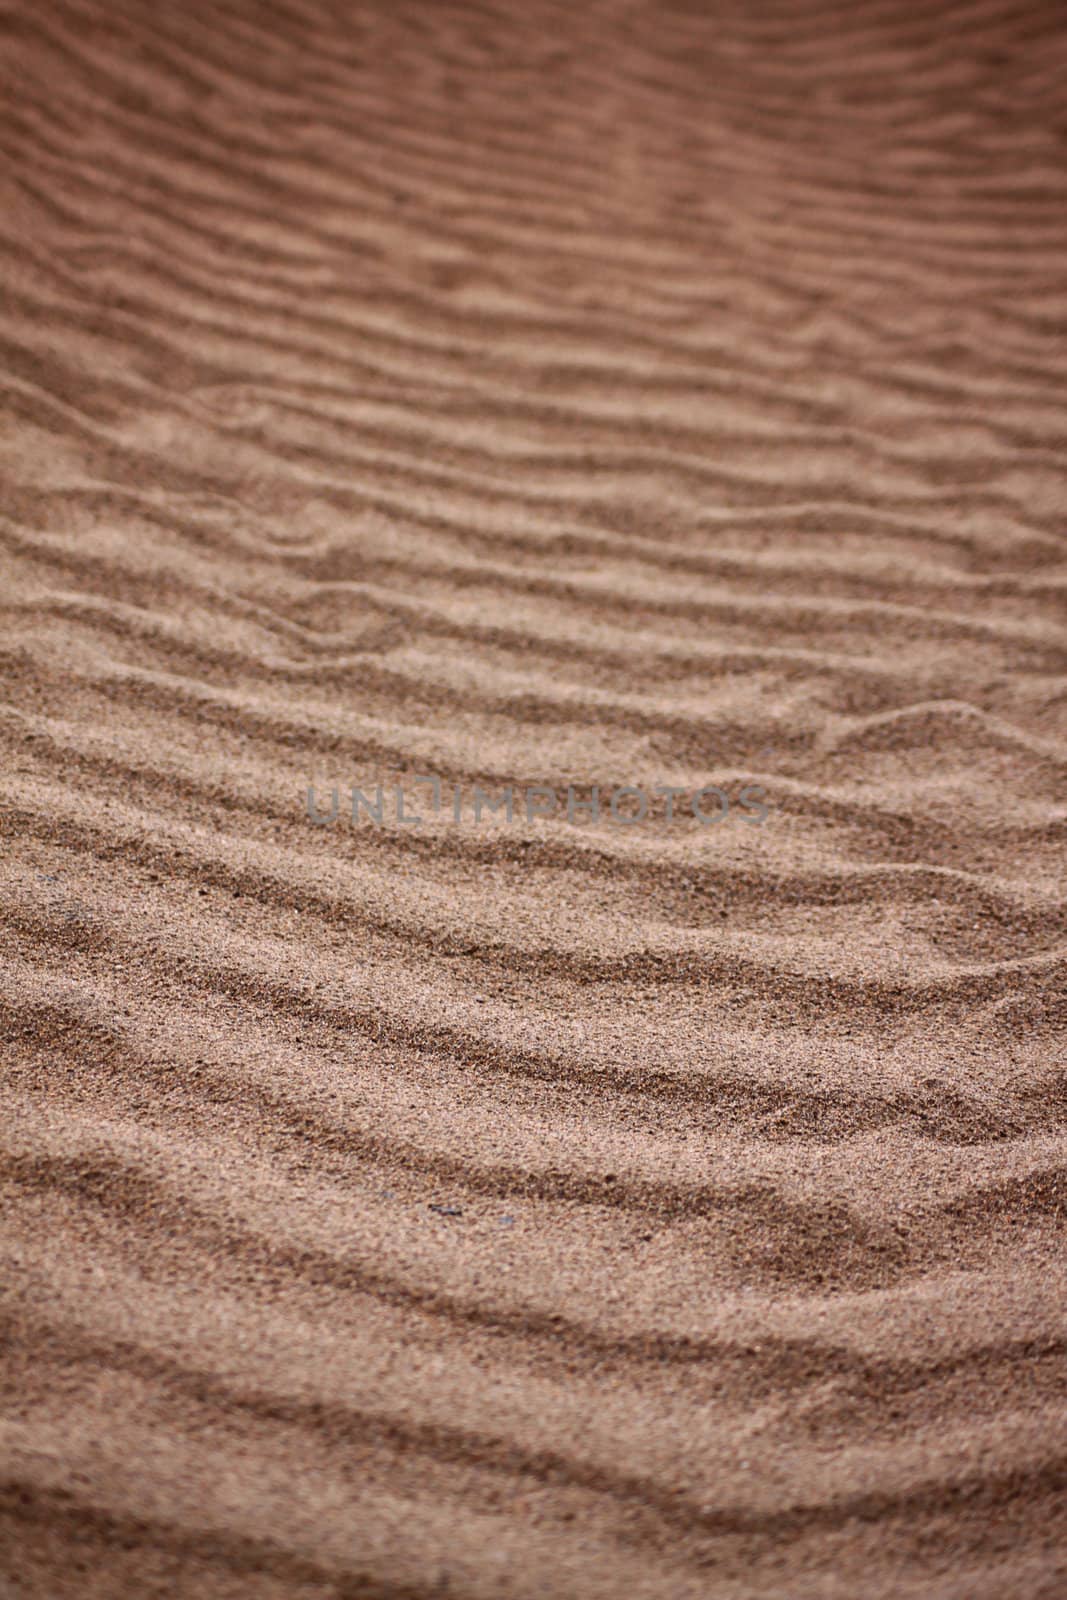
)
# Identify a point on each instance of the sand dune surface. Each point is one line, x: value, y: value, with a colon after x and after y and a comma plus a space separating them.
x: 531, y: 403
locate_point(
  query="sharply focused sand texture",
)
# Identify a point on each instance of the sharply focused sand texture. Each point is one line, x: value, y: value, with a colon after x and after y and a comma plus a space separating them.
x: 612, y: 393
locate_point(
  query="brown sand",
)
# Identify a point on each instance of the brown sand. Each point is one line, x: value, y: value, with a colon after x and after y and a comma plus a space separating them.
x: 535, y: 393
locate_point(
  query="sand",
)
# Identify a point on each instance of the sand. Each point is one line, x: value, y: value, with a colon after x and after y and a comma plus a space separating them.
x: 543, y: 396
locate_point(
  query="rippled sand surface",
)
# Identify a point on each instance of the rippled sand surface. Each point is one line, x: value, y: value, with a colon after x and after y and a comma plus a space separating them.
x: 533, y: 394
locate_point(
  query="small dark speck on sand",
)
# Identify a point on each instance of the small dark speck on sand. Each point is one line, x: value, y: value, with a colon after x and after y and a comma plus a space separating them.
x: 447, y: 1211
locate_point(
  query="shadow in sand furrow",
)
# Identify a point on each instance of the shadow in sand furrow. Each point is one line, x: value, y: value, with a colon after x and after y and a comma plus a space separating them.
x: 518, y: 211
x: 505, y: 228
x: 316, y: 659
x: 805, y: 599
x: 828, y: 1385
x: 669, y: 83
x: 900, y: 836
x: 468, y: 1048
x: 885, y: 679
x: 664, y: 452
x: 953, y: 727
x: 1030, y: 1499
x: 114, y: 1065
x: 322, y: 629
x: 112, y: 460
x: 75, y: 1530
x: 115, y: 1072
x: 825, y: 1382
x: 388, y: 692
x: 529, y: 479
x: 983, y: 919
x: 846, y: 45
x: 662, y: 659
x: 541, y: 425
x: 781, y: 992
x: 427, y: 323
x: 534, y: 483
x: 658, y: 1510
x: 893, y: 835
x: 766, y: 1238
x: 795, y: 575
x: 1004, y: 569
x: 964, y: 735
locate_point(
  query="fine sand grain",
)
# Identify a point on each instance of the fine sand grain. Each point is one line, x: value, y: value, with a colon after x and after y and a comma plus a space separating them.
x: 534, y: 394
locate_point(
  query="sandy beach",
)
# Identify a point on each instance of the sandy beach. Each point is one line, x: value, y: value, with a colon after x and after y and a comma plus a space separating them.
x: 637, y: 1196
